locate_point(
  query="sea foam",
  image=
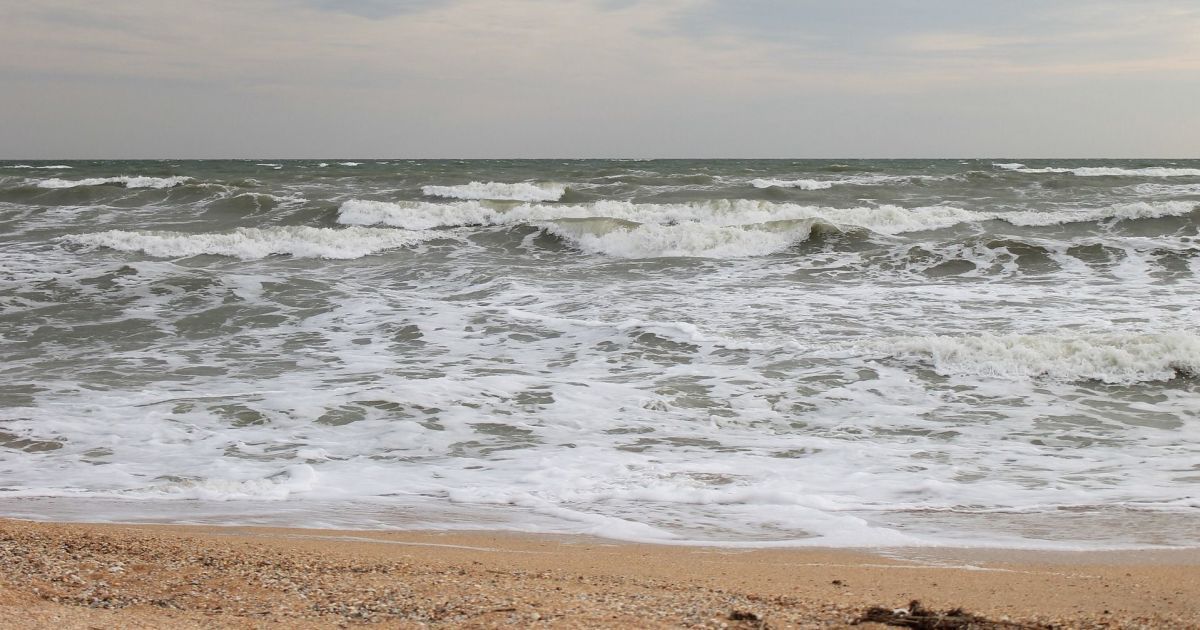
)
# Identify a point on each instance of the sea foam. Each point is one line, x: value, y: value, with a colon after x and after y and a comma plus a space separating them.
x: 823, y: 184
x: 252, y: 243
x: 802, y: 184
x: 884, y: 219
x: 1105, y: 171
x: 127, y: 181
x: 1110, y: 358
x: 522, y: 191
x: 627, y: 240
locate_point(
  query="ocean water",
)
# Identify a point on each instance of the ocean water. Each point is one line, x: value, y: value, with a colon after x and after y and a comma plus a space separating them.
x: 837, y: 353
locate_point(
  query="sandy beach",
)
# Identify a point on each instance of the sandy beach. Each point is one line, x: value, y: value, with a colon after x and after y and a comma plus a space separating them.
x: 144, y: 576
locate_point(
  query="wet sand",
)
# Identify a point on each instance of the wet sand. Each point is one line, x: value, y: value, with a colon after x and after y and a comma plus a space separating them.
x: 154, y: 576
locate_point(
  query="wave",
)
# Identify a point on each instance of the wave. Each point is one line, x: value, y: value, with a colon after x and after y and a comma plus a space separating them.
x: 49, y: 166
x: 624, y: 239
x: 883, y: 219
x: 822, y: 184
x: 127, y: 181
x: 886, y: 219
x: 295, y: 479
x: 1105, y: 171
x: 1110, y: 358
x: 1167, y: 189
x: 1118, y: 212
x: 522, y: 191
x: 254, y: 243
x: 802, y: 184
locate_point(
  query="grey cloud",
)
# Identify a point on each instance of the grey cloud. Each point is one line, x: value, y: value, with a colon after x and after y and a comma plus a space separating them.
x: 375, y: 9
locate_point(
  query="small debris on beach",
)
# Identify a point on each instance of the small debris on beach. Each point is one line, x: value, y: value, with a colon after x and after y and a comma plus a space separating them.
x: 921, y: 618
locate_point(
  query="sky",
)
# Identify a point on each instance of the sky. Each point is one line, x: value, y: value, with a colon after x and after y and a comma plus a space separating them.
x: 599, y: 78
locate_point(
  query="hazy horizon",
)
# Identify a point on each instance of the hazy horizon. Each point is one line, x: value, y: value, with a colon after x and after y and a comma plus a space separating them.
x: 666, y: 79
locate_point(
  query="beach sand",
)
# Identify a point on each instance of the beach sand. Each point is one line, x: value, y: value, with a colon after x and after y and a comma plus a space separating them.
x: 153, y: 576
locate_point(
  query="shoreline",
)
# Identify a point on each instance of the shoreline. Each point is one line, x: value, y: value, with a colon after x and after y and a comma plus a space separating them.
x: 79, y: 574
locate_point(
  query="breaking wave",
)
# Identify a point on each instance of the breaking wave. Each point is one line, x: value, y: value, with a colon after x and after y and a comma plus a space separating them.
x: 802, y: 184
x: 1167, y: 189
x: 624, y: 239
x: 823, y: 184
x: 522, y: 191
x: 886, y: 219
x: 1118, y: 212
x: 1106, y: 171
x: 883, y: 219
x: 253, y: 243
x: 124, y: 180
x: 1110, y: 358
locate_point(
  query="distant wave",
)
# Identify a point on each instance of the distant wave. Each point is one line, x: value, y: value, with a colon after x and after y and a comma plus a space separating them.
x: 622, y: 239
x: 802, y: 184
x: 886, y: 219
x: 1167, y: 189
x: 883, y: 219
x: 523, y: 191
x: 1110, y: 358
x: 50, y: 166
x: 252, y: 243
x: 1106, y: 171
x: 1118, y: 212
x: 124, y: 180
x: 822, y: 184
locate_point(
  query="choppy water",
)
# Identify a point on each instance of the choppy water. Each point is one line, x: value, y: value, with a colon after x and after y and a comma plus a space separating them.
x: 800, y: 352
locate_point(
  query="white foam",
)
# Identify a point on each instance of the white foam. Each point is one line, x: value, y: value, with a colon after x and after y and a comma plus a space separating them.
x: 129, y: 181
x: 350, y: 163
x: 822, y: 184
x: 521, y: 191
x: 1106, y: 171
x: 882, y: 219
x: 1118, y: 212
x: 802, y: 184
x: 1167, y: 189
x: 885, y: 219
x: 415, y: 215
x: 680, y: 240
x: 251, y: 243
x: 58, y: 166
x: 296, y: 479
x: 1111, y: 358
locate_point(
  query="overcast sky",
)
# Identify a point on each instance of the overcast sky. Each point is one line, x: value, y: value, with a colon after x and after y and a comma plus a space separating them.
x: 599, y: 78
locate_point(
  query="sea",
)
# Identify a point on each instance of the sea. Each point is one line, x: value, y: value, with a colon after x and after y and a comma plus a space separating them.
x: 997, y: 353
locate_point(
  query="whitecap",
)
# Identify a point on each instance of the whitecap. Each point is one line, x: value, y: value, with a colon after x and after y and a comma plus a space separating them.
x: 630, y: 240
x: 252, y: 243
x: 1110, y: 358
x: 884, y: 219
x: 802, y: 184
x: 128, y: 181
x: 823, y: 184
x: 521, y: 191
x: 1106, y: 171
x: 1118, y: 212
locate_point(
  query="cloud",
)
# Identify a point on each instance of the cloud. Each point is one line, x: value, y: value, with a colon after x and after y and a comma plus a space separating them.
x: 592, y: 77
x: 374, y: 9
